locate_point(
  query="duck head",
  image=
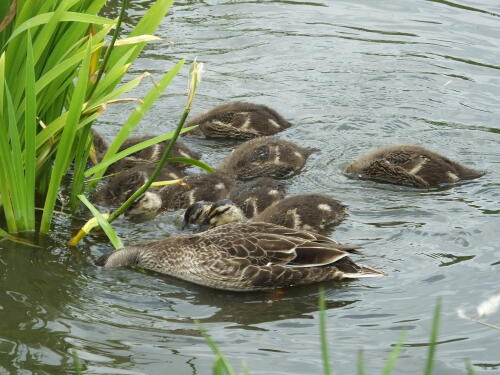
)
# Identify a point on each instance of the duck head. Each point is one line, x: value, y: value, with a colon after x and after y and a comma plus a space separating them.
x: 144, y: 208
x: 208, y: 215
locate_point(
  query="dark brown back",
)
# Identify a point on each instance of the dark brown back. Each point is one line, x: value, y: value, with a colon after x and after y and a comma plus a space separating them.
x: 199, y: 187
x: 256, y: 195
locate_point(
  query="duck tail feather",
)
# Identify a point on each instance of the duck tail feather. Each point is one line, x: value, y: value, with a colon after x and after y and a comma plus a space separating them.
x: 364, y: 271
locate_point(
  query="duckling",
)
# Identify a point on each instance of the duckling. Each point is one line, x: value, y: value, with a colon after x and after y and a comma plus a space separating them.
x: 238, y: 120
x: 245, y: 257
x: 266, y: 157
x: 209, y: 186
x: 410, y: 166
x: 256, y: 195
x: 311, y: 212
x: 152, y: 153
x: 122, y: 185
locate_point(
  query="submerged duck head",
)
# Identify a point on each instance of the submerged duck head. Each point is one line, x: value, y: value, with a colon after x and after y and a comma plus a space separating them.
x: 144, y: 208
x: 209, y: 215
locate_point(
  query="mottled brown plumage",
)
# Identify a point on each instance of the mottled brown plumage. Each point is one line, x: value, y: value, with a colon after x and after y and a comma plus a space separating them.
x: 238, y: 120
x: 311, y: 212
x: 245, y: 257
x: 265, y: 157
x: 123, y: 184
x: 256, y: 195
x: 206, y: 186
x: 151, y: 154
x: 410, y: 166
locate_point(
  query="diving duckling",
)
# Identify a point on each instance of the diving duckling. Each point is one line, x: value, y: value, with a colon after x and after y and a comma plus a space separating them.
x: 122, y: 185
x: 245, y: 257
x: 238, y: 120
x: 256, y: 195
x: 266, y: 157
x: 410, y: 166
x: 151, y: 154
x: 206, y: 186
x: 310, y: 212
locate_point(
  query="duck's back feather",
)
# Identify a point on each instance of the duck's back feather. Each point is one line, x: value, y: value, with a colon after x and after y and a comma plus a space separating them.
x: 245, y: 256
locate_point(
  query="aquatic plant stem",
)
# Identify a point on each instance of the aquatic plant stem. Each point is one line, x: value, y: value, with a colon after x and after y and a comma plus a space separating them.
x: 322, y: 333
x: 155, y: 173
x: 433, y: 339
x: 110, y: 48
x: 195, y: 77
x: 220, y: 361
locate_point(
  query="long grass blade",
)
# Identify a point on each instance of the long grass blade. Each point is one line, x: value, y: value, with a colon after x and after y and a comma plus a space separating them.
x: 327, y: 369
x: 81, y: 158
x: 147, y: 25
x: 2, y: 81
x: 135, y: 117
x: 391, y: 361
x: 107, y: 54
x: 219, y: 356
x: 76, y: 363
x: 18, y: 187
x: 360, y: 361
x: 135, y: 148
x: 30, y: 126
x: 106, y: 227
x: 66, y: 142
x: 468, y: 366
x: 196, y: 163
x: 15, y: 239
x: 67, y: 16
x: 9, y: 16
x: 218, y: 366
x: 433, y: 339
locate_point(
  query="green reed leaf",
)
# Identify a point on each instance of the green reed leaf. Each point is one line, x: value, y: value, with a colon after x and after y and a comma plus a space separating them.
x: 106, y: 227
x: 433, y: 339
x: 391, y: 361
x: 360, y: 363
x: 65, y: 146
x: 327, y: 369
x: 221, y: 361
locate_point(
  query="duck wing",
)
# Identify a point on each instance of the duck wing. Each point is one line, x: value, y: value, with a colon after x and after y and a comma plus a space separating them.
x: 269, y: 244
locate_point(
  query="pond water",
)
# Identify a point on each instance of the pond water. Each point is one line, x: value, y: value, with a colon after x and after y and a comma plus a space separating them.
x: 350, y: 76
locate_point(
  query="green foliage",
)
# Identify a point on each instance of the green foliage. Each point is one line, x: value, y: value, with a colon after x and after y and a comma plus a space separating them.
x: 323, y: 335
x: 76, y: 363
x: 221, y: 365
x: 433, y: 339
x: 106, y: 227
x: 53, y: 85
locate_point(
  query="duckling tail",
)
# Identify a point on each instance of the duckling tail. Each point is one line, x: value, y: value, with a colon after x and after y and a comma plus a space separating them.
x: 310, y: 150
x: 128, y: 256
x: 470, y: 174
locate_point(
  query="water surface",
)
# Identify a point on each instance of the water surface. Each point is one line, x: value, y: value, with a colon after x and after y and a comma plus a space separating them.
x: 350, y: 76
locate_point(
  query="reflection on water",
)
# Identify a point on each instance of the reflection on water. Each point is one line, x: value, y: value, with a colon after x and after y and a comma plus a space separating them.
x: 350, y: 76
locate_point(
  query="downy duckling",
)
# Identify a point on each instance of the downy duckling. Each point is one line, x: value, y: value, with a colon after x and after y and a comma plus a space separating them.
x: 122, y: 185
x: 265, y: 157
x: 207, y: 186
x: 245, y: 257
x: 151, y: 154
x: 311, y: 212
x: 256, y: 195
x: 238, y: 120
x: 410, y: 166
